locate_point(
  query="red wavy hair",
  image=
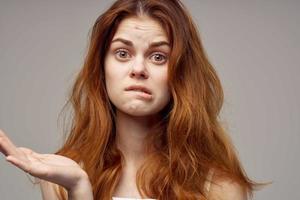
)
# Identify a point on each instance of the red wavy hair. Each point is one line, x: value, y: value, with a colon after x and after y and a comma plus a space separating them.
x: 188, y: 141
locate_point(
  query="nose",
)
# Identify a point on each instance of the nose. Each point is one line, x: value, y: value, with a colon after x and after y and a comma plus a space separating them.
x: 139, y: 69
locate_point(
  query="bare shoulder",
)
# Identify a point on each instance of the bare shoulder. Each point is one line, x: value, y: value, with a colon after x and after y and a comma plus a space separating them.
x: 49, y: 190
x: 226, y: 189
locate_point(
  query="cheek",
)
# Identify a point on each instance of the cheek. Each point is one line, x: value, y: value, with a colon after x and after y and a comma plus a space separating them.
x: 112, y: 71
x: 162, y: 79
x: 110, y: 75
x: 109, y: 68
x: 161, y: 84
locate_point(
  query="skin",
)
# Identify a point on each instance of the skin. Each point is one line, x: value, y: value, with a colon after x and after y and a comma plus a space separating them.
x: 49, y: 167
x: 141, y: 64
x: 125, y: 65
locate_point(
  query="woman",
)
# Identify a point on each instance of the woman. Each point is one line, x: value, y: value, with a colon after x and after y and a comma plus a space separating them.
x: 145, y: 124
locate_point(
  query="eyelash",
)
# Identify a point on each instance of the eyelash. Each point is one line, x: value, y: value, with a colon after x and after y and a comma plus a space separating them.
x: 153, y: 54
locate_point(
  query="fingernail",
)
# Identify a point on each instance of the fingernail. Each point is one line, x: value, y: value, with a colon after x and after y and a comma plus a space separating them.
x: 9, y: 158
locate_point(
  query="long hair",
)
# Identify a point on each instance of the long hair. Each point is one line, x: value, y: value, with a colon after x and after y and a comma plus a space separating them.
x: 188, y: 141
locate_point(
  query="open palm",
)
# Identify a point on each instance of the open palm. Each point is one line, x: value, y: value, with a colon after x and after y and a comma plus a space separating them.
x: 50, y: 167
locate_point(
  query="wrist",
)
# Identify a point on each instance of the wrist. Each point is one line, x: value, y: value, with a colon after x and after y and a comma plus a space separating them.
x: 81, y: 190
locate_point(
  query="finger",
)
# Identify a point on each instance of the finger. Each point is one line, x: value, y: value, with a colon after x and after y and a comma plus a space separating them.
x: 19, y: 163
x: 30, y: 152
x: 28, y: 156
x: 26, y: 167
x: 26, y: 150
x: 30, y: 166
x: 37, y: 180
x: 6, y: 146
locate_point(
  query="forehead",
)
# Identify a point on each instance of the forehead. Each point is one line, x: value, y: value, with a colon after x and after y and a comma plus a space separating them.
x: 142, y: 27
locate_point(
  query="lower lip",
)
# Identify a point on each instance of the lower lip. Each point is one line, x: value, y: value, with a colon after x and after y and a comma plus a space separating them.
x: 142, y: 95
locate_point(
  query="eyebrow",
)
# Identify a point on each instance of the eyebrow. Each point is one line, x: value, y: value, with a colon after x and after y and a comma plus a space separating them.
x: 129, y: 43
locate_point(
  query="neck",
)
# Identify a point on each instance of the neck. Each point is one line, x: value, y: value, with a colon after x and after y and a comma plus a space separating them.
x: 130, y: 136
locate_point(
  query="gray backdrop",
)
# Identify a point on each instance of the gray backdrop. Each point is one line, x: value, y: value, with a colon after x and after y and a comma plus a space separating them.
x: 254, y: 46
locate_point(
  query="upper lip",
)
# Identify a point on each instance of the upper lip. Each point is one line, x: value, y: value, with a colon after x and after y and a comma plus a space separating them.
x: 138, y: 87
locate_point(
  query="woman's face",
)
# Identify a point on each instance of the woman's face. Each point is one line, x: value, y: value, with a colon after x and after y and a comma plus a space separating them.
x: 136, y: 66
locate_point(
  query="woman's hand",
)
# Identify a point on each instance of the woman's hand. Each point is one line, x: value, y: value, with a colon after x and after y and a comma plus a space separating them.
x: 50, y: 167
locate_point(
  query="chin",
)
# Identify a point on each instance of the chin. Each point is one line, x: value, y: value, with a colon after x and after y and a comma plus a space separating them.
x: 139, y: 112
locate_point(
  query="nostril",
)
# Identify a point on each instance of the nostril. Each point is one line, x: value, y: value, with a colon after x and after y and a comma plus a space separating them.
x: 138, y: 74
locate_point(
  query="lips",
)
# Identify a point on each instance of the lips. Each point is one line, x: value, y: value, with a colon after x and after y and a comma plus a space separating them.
x: 140, y: 92
x: 138, y: 88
